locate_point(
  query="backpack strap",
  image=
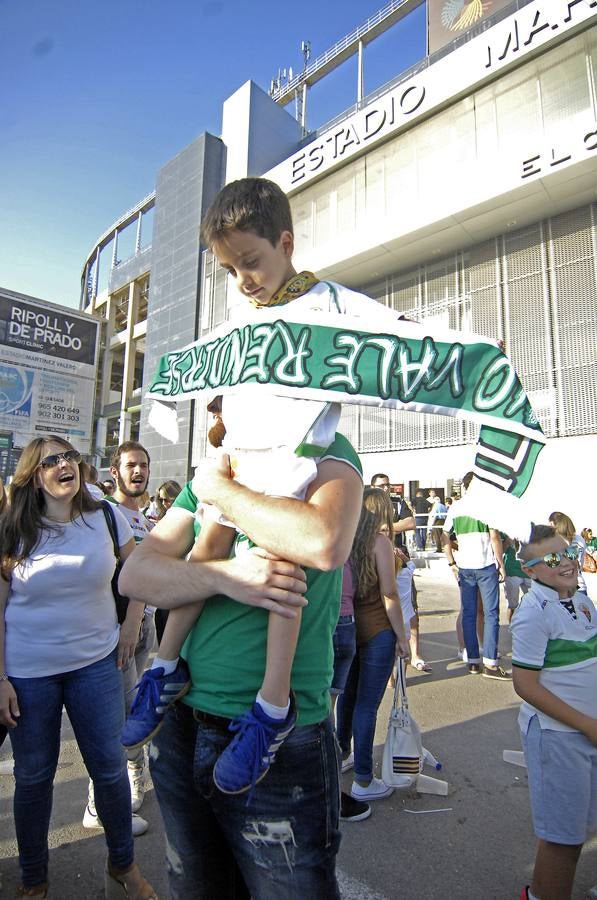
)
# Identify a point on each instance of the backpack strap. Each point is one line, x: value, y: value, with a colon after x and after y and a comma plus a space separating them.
x: 111, y: 523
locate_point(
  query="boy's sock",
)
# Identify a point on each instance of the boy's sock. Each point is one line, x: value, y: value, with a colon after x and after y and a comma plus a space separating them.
x: 168, y: 665
x: 274, y: 712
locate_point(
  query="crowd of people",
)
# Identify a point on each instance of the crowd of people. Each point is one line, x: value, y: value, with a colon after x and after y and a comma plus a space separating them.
x: 278, y: 593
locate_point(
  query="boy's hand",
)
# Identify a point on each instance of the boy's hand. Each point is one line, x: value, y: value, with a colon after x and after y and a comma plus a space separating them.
x: 210, y: 476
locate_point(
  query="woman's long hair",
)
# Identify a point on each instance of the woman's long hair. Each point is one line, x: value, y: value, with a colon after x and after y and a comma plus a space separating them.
x: 21, y: 525
x: 377, y: 512
x: 563, y: 525
x: 171, y: 489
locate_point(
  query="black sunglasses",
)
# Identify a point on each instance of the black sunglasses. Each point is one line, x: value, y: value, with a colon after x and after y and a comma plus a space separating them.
x: 70, y: 456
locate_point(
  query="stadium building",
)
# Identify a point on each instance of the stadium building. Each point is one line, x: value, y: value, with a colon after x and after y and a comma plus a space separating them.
x: 462, y: 193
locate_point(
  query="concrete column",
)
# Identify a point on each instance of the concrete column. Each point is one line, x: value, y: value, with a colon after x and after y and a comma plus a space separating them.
x: 129, y: 356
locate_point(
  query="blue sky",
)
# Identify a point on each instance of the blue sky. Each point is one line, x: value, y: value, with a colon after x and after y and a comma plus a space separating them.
x: 96, y: 97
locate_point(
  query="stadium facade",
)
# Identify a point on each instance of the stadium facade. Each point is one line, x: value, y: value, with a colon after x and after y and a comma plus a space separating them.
x: 463, y: 193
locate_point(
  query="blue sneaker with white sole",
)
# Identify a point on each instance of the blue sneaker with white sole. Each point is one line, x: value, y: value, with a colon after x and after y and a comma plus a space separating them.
x: 155, y: 693
x: 248, y: 756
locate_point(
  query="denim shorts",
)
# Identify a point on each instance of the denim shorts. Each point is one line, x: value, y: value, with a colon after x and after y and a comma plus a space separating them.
x: 562, y: 772
x: 345, y: 647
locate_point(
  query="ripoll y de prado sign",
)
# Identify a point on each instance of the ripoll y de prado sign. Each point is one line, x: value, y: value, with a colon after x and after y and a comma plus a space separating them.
x: 410, y: 368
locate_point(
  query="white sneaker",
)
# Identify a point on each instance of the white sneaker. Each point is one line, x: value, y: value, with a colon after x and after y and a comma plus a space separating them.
x: 136, y: 775
x: 91, y: 820
x: 348, y: 763
x: 376, y: 790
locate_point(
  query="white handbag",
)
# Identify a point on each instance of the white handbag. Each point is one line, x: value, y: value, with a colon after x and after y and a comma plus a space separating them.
x: 403, y: 753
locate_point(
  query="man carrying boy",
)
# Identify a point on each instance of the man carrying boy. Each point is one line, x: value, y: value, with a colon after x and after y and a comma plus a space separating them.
x: 554, y: 667
x: 283, y: 839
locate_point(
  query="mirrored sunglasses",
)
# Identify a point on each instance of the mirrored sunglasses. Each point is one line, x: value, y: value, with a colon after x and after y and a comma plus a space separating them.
x: 70, y: 456
x: 553, y: 560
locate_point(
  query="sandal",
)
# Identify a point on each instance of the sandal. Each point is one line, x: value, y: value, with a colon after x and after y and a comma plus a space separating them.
x: 422, y: 666
x: 39, y: 890
x: 129, y: 884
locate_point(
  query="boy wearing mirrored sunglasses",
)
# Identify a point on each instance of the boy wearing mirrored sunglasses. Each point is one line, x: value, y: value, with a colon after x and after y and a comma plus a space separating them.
x: 554, y: 669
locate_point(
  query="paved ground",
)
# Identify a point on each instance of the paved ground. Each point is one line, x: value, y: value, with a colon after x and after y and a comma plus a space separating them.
x: 475, y: 843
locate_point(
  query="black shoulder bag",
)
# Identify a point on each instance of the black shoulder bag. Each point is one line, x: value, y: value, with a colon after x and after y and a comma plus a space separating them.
x: 120, y: 601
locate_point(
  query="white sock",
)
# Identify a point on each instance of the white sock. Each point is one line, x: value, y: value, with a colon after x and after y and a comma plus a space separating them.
x: 531, y: 896
x: 274, y: 712
x: 168, y: 665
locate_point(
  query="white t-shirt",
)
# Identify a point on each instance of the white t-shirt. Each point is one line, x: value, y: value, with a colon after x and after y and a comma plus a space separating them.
x: 140, y: 525
x: 474, y: 543
x: 60, y: 614
x: 271, y: 427
x: 561, y: 643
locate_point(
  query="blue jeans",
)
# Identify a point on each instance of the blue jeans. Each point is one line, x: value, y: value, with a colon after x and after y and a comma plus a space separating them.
x: 92, y: 697
x: 278, y: 841
x: 486, y: 582
x: 421, y: 531
x: 358, y: 705
x: 345, y: 647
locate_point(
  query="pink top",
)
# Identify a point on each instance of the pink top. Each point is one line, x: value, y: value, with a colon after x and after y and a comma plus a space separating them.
x: 347, y: 601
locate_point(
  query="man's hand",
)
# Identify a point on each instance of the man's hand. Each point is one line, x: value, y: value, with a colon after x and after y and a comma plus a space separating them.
x: 259, y: 579
x: 501, y: 573
x: 9, y: 705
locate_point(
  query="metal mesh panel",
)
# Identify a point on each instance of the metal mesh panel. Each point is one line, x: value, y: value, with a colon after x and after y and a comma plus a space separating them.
x: 442, y: 431
x: 406, y: 431
x: 374, y: 430
x: 482, y: 288
x: 349, y: 424
x: 573, y: 279
x: 406, y: 293
x: 527, y: 322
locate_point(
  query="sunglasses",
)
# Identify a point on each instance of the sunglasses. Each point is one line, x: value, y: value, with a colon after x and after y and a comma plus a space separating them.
x: 70, y: 456
x: 167, y: 499
x: 553, y: 560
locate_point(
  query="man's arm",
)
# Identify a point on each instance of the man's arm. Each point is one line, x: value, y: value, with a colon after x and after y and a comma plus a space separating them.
x: 498, y: 551
x: 315, y: 532
x: 527, y: 686
x: 407, y: 524
x: 157, y: 573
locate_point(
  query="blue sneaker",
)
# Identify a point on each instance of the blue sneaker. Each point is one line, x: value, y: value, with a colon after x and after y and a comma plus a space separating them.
x: 248, y: 756
x: 155, y: 693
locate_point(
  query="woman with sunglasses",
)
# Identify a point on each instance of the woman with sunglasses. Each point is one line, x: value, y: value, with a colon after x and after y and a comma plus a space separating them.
x: 60, y: 644
x: 554, y: 670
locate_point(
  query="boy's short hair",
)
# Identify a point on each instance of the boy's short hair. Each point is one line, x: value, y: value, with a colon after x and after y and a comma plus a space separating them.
x: 538, y: 534
x: 249, y: 204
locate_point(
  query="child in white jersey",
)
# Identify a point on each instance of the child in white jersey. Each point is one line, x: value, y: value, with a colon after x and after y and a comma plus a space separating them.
x: 554, y: 668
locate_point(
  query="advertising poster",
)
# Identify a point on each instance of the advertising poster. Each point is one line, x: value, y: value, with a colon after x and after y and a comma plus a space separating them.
x: 448, y: 19
x: 48, y: 362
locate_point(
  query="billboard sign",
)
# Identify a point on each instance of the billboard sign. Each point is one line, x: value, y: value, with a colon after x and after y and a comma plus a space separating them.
x: 48, y: 364
x: 448, y: 19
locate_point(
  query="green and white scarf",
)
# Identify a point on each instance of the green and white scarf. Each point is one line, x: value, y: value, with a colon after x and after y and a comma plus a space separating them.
x: 412, y: 368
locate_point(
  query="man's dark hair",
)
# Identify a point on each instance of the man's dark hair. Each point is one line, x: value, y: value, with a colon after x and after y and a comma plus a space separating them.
x: 467, y: 479
x: 378, y: 475
x: 249, y: 204
x: 126, y: 447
